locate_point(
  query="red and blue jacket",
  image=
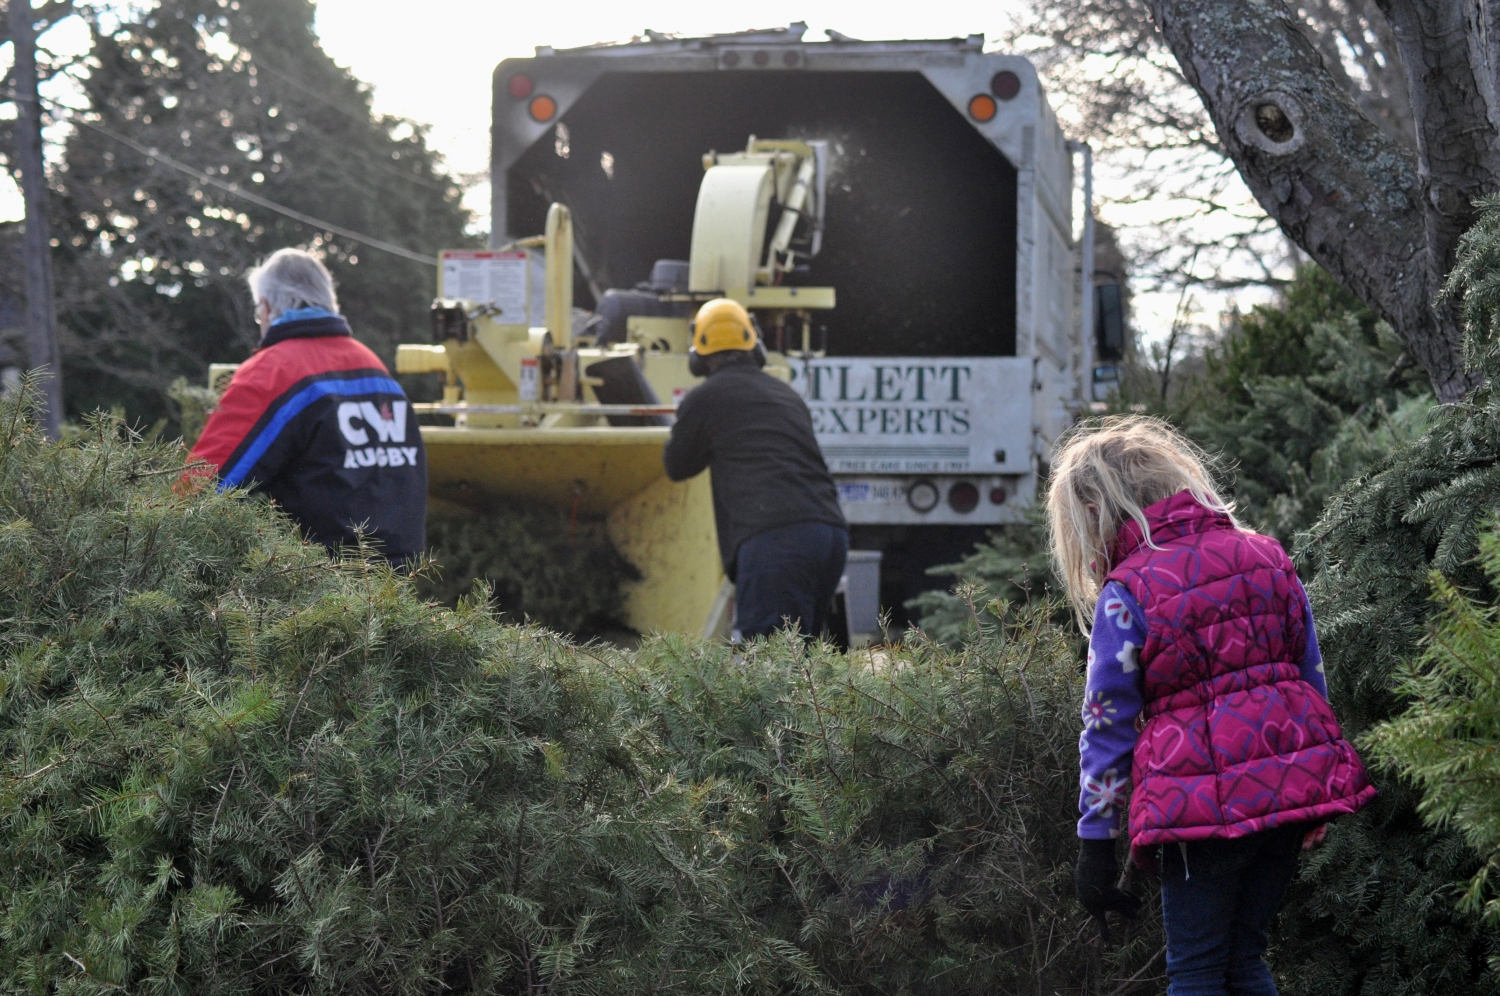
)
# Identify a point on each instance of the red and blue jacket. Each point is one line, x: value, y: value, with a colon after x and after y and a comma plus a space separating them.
x: 314, y: 421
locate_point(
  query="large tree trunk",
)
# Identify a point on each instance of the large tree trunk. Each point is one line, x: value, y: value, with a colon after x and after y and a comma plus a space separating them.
x: 41, y: 325
x: 1383, y: 221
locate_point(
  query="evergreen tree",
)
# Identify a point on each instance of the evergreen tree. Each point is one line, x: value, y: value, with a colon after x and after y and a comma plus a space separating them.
x: 1377, y: 909
x: 151, y: 262
x: 1008, y: 571
x: 1445, y: 741
x: 230, y: 765
x: 1300, y: 397
x: 541, y: 565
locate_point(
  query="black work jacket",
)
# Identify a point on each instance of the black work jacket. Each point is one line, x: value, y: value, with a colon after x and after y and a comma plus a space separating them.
x: 756, y: 435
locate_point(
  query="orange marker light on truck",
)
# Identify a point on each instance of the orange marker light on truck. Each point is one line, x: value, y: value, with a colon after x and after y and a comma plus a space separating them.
x: 544, y: 108
x: 982, y: 107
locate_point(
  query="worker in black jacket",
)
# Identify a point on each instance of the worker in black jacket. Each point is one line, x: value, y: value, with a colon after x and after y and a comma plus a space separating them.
x: 782, y: 535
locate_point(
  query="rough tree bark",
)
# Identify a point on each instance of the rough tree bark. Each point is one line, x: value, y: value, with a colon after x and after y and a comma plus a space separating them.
x: 41, y: 319
x: 1384, y: 220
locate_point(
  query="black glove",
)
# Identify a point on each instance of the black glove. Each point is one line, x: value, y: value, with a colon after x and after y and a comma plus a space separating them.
x: 1095, y: 882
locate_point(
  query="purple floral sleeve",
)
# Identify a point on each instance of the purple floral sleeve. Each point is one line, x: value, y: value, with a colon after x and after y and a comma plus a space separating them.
x: 1112, y: 705
x: 1312, y: 657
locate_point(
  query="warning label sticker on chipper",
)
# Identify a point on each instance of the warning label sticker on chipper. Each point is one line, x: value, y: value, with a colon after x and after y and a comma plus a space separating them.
x: 488, y: 277
x: 905, y: 415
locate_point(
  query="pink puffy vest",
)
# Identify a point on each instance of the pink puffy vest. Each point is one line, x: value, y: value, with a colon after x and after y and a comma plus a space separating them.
x: 1234, y: 740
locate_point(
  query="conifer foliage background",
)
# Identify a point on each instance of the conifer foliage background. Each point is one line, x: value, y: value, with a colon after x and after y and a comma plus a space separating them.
x: 1381, y: 900
x: 150, y: 263
x: 1445, y: 741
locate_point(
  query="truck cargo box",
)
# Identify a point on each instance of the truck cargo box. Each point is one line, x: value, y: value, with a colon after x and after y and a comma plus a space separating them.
x: 948, y: 227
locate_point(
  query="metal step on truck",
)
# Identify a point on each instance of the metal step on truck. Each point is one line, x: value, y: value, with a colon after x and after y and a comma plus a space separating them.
x: 898, y: 215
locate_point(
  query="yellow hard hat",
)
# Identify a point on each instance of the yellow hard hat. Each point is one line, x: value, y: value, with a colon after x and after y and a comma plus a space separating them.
x: 721, y: 325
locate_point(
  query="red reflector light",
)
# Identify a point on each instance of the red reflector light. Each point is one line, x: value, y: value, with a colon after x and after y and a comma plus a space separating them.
x: 762, y: 58
x: 963, y: 497
x: 520, y: 86
x: 997, y: 496
x: 982, y: 107
x: 1005, y: 85
x: 542, y: 108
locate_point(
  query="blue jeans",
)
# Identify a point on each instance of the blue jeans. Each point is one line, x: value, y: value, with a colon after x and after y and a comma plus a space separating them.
x: 788, y: 574
x: 1217, y: 906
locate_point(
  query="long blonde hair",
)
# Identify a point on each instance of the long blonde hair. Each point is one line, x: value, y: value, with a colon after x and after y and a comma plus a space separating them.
x: 1105, y: 472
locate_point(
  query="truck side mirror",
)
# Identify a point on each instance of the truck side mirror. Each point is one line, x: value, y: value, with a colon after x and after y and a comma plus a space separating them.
x: 1109, y: 322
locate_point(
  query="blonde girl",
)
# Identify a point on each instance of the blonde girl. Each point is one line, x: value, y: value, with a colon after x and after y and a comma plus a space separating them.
x: 1207, y: 732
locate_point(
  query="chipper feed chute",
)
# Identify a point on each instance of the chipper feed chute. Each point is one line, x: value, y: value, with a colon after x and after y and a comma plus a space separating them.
x: 665, y: 529
x: 538, y: 422
x: 544, y: 418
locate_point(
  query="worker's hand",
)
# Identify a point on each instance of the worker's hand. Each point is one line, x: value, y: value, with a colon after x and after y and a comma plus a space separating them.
x: 196, y: 476
x: 188, y: 485
x: 1315, y: 836
x: 1094, y: 880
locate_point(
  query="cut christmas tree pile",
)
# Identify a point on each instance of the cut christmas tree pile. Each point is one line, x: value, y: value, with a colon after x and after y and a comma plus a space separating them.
x: 229, y: 764
x: 233, y: 765
x: 541, y: 565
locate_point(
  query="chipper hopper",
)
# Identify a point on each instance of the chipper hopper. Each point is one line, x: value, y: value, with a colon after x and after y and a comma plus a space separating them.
x: 546, y: 414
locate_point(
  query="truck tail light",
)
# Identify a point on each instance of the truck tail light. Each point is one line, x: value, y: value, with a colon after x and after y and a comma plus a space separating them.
x: 922, y: 496
x: 520, y: 86
x: 963, y: 497
x: 982, y: 107
x: 1005, y: 85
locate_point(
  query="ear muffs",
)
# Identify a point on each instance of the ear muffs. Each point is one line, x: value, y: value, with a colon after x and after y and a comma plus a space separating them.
x: 697, y: 365
x: 759, y: 352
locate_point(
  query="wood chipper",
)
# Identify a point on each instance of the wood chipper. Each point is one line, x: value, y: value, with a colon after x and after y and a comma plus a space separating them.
x: 547, y: 413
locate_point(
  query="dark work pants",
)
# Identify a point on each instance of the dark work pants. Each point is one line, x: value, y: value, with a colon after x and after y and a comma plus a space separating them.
x: 1217, y: 902
x: 788, y: 574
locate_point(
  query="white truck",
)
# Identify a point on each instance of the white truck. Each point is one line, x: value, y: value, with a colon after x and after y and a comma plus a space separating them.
x: 940, y: 214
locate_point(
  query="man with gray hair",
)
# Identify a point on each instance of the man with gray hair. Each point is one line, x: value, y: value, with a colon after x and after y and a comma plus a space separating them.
x: 314, y: 420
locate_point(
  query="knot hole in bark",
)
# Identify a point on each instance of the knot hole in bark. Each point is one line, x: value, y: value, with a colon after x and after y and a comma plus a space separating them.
x: 1274, y: 124
x: 1271, y: 121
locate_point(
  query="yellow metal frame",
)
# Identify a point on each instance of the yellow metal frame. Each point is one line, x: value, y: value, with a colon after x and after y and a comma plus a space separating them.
x: 668, y: 533
x: 665, y: 529
x: 571, y: 458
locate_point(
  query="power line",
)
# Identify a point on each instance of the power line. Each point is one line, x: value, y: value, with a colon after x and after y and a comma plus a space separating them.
x: 235, y: 190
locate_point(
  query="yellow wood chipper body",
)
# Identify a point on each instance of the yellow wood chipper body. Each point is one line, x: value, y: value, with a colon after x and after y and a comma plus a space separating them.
x: 546, y: 416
